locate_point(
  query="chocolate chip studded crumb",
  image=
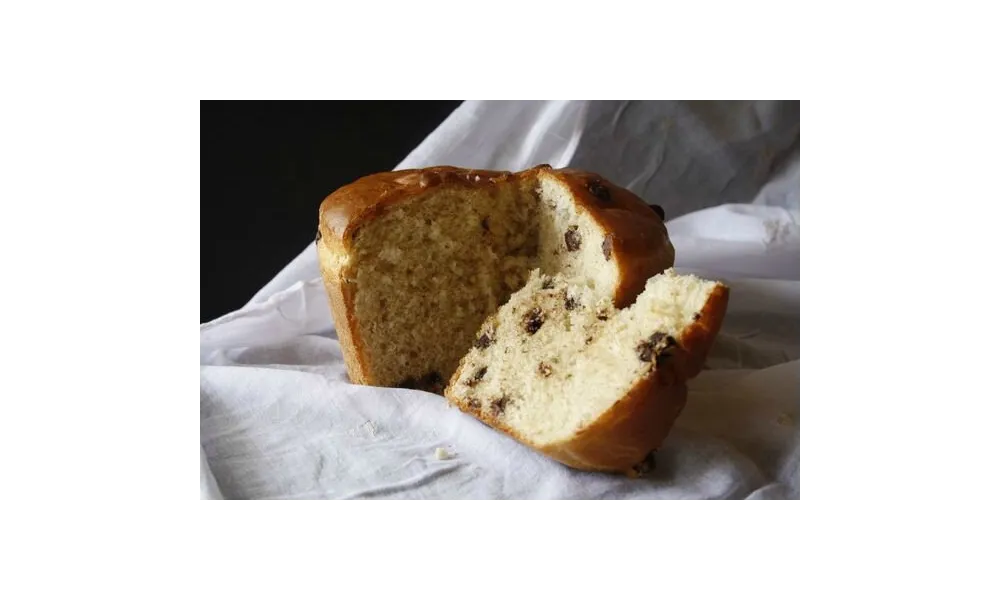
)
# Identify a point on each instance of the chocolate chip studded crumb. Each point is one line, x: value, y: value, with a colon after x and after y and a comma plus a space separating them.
x: 476, y: 377
x: 645, y: 467
x: 499, y: 405
x: 599, y: 190
x: 570, y: 302
x: 544, y: 369
x: 474, y: 404
x: 573, y: 239
x: 533, y: 320
x: 606, y: 247
x: 548, y: 283
x: 484, y: 341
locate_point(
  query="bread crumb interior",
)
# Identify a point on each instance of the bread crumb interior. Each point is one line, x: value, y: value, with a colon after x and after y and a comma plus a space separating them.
x: 558, y: 354
x: 430, y: 269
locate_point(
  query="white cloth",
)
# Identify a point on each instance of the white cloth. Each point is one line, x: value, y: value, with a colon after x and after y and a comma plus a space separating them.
x: 279, y: 418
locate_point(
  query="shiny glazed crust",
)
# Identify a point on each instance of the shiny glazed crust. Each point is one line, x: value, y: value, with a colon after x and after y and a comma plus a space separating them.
x: 621, y: 438
x: 635, y: 236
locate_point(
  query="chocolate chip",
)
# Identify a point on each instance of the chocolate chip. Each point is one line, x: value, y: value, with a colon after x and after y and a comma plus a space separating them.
x: 573, y: 239
x: 657, y: 337
x: 697, y: 316
x: 544, y: 369
x: 571, y: 302
x: 474, y: 403
x: 499, y: 405
x: 599, y: 191
x: 603, y: 315
x: 476, y: 377
x: 484, y: 341
x: 655, y: 348
x: 588, y: 340
x: 659, y: 211
x: 533, y: 320
x: 646, y: 466
x: 547, y: 283
x: 485, y: 223
x: 606, y: 247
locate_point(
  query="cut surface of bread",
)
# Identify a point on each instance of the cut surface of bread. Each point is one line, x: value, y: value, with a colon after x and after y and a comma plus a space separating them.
x: 414, y: 261
x: 559, y: 368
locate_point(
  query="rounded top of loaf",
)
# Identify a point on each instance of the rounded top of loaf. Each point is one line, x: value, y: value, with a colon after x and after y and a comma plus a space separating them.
x: 614, y: 207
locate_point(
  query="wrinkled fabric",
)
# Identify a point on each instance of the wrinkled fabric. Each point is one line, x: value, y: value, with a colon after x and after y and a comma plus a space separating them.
x: 279, y: 418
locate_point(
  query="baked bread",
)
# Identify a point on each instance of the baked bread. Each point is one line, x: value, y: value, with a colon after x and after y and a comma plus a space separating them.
x: 414, y: 261
x: 560, y: 369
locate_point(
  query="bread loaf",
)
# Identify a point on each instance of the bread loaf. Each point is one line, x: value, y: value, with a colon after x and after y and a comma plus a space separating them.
x: 414, y: 261
x: 560, y: 369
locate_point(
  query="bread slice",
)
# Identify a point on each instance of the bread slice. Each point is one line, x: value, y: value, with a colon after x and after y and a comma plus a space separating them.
x: 413, y: 261
x: 560, y: 369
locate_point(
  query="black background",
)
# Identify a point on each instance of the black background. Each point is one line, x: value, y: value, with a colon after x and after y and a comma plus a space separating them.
x: 265, y: 168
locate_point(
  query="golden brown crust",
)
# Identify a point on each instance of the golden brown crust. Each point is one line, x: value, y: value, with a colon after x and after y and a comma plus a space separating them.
x: 635, y: 227
x: 699, y: 336
x: 637, y: 239
x: 339, y: 293
x: 628, y: 431
x: 357, y: 203
x: 635, y: 234
x: 622, y: 437
x: 637, y: 423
